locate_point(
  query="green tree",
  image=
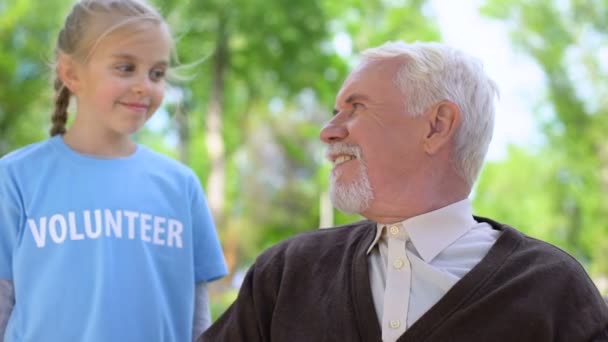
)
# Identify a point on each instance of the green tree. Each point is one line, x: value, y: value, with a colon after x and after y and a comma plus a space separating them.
x: 564, y: 38
x: 252, y: 58
x: 26, y: 39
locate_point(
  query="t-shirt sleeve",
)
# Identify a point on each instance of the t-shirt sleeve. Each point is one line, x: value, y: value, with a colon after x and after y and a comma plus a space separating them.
x: 10, y: 221
x: 209, y: 259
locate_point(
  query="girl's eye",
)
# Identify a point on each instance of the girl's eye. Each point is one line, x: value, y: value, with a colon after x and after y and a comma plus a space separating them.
x: 125, y: 68
x: 157, y: 74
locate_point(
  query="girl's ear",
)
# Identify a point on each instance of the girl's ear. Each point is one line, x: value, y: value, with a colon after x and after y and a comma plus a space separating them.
x: 67, y: 69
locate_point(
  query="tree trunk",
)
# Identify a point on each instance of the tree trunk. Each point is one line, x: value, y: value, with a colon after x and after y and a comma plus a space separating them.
x: 326, y: 211
x: 215, y: 143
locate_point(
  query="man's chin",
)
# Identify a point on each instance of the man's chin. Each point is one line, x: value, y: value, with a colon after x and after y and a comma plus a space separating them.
x: 348, y: 202
x: 342, y: 179
x: 346, y: 210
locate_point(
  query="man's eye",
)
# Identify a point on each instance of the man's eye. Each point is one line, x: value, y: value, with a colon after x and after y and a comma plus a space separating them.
x: 356, y: 107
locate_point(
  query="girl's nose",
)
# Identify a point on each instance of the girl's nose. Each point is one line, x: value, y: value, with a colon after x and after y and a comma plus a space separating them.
x: 142, y: 86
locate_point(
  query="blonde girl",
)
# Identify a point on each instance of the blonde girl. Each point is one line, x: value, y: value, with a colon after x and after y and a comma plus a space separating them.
x: 102, y: 239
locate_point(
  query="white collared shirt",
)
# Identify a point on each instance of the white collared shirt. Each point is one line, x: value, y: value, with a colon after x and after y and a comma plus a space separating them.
x: 426, y: 255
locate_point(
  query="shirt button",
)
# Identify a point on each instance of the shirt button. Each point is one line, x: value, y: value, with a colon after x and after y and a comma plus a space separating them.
x: 398, y: 263
x: 395, y: 324
x: 394, y: 230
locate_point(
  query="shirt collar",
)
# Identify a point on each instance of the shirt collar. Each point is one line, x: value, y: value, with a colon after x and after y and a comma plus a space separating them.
x: 432, y: 232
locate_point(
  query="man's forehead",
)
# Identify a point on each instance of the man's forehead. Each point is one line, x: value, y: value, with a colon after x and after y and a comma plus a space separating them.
x: 357, y: 83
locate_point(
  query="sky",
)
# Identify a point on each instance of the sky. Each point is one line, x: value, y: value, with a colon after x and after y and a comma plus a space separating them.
x: 519, y: 80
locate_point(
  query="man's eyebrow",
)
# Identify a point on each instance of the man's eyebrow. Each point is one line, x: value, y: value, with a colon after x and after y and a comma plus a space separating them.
x: 353, y: 98
x: 356, y: 96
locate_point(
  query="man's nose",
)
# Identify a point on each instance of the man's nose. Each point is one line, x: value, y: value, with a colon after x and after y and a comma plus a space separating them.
x: 333, y: 131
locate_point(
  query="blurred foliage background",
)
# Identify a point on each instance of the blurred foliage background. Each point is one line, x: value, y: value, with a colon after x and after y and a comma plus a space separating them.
x: 264, y: 74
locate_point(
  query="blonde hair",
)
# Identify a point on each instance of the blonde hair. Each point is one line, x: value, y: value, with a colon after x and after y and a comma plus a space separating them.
x: 433, y: 72
x: 86, y: 25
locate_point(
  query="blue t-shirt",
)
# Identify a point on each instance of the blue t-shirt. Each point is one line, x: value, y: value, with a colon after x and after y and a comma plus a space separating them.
x: 103, y: 249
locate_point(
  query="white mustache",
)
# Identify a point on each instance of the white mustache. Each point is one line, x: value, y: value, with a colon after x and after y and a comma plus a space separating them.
x: 343, y: 148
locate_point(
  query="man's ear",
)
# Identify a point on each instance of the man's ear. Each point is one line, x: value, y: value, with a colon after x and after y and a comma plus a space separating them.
x: 443, y: 120
x: 67, y: 70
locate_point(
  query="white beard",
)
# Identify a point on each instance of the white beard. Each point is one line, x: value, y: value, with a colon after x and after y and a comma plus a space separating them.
x: 356, y: 196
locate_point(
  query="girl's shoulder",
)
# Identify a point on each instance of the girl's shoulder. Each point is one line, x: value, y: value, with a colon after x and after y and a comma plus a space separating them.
x: 163, y: 163
x: 160, y: 160
x: 27, y: 154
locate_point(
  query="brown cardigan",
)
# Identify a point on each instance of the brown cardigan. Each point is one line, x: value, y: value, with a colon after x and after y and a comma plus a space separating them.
x: 315, y: 287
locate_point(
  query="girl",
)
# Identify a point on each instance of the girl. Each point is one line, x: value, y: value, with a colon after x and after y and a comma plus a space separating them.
x: 102, y: 239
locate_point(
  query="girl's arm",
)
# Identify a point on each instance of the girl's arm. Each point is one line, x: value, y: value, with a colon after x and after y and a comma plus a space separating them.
x: 202, y: 314
x: 7, y: 301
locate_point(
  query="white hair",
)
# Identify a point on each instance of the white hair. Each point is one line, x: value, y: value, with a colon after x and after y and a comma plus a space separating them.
x: 433, y: 72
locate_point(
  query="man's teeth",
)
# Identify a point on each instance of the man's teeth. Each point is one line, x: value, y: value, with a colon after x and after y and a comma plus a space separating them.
x: 342, y: 159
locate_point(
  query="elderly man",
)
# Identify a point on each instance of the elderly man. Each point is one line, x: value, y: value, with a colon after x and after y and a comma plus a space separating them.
x: 410, y: 130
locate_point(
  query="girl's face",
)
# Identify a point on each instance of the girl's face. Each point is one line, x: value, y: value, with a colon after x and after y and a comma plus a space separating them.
x: 122, y: 83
